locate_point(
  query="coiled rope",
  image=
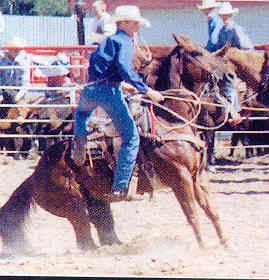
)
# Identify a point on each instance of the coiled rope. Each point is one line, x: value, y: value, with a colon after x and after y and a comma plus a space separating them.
x: 191, y: 122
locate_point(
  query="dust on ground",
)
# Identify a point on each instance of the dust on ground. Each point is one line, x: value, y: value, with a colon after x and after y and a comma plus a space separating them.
x: 157, y: 240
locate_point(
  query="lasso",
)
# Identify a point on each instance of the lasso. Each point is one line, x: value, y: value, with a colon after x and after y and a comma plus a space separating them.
x: 191, y: 122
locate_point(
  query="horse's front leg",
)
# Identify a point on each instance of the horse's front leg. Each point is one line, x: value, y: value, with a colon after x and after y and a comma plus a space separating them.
x: 204, y: 199
x: 183, y: 187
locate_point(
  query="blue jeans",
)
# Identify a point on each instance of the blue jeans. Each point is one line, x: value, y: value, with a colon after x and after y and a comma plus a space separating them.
x: 111, y: 100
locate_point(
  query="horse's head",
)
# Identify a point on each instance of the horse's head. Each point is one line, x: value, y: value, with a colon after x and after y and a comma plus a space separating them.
x: 247, y: 64
x: 200, y: 66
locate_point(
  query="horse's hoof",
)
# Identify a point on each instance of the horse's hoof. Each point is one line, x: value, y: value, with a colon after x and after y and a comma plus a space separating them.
x: 87, y: 247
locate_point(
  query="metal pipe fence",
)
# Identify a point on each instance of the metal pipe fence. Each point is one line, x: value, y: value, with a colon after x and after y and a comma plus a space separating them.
x: 72, y: 105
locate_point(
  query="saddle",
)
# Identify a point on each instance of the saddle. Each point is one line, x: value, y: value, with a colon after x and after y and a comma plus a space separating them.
x: 103, y: 133
x: 102, y: 143
x: 142, y: 116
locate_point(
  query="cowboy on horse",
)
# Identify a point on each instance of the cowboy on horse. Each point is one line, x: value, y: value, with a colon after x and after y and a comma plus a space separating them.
x: 111, y: 64
x: 233, y: 34
x: 209, y: 8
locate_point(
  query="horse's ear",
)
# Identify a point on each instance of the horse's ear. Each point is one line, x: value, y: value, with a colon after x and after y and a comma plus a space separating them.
x: 181, y: 40
x: 223, y: 51
x: 176, y: 38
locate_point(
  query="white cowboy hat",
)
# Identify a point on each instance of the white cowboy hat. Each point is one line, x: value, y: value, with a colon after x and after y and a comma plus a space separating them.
x: 129, y: 13
x: 15, y: 42
x: 227, y: 9
x: 99, y: 3
x: 208, y: 4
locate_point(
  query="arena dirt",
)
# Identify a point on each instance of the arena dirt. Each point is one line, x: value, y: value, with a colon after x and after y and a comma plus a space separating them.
x: 157, y: 241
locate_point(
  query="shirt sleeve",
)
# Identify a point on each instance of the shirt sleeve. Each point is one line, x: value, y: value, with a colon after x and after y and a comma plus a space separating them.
x: 126, y: 67
x: 244, y: 41
x: 211, y: 25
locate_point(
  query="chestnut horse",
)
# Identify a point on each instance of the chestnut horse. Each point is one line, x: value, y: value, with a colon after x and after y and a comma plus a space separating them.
x: 231, y: 66
x: 77, y: 193
x: 253, y: 68
x: 188, y: 65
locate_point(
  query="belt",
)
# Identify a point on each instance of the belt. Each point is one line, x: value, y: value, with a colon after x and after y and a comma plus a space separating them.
x: 105, y: 82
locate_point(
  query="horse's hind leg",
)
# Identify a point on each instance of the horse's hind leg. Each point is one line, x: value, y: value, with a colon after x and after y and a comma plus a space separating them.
x: 101, y: 216
x: 82, y: 230
x: 204, y: 199
x: 69, y: 204
x: 183, y: 189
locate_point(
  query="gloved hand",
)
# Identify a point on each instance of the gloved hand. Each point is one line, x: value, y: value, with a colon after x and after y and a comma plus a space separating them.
x: 154, y: 95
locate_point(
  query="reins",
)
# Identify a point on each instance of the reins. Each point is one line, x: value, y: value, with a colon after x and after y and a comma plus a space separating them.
x: 174, y: 114
x: 186, y: 122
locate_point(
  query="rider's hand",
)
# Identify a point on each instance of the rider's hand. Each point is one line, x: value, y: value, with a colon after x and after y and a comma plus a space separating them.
x: 154, y: 95
x: 128, y: 87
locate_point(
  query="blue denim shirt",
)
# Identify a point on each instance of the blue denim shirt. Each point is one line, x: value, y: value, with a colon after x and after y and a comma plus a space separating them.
x: 113, y: 61
x: 214, y: 25
x: 235, y: 35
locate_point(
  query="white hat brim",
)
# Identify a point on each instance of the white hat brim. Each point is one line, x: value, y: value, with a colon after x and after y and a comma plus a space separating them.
x: 141, y: 20
x: 232, y: 12
x: 201, y: 7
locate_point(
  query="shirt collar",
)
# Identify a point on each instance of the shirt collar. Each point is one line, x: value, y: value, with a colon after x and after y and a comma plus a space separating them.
x: 120, y: 31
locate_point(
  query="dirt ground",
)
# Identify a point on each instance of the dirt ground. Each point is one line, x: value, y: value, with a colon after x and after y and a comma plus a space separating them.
x: 157, y: 241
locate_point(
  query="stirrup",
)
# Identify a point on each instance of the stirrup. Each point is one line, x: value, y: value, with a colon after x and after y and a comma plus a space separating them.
x: 78, y: 153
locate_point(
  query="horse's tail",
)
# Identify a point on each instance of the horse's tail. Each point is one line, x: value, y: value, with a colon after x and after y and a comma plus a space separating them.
x: 13, y: 215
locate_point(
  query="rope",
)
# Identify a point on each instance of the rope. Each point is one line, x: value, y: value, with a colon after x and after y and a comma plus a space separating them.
x: 199, y: 102
x: 174, y: 114
x: 186, y: 122
x: 243, y: 132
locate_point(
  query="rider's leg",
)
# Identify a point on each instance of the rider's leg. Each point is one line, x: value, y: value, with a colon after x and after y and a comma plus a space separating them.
x: 117, y: 109
x: 87, y: 104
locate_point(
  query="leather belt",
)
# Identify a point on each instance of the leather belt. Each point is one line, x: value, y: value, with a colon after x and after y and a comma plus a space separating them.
x: 105, y: 82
